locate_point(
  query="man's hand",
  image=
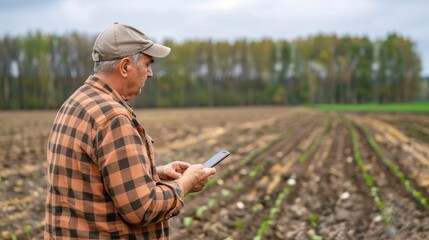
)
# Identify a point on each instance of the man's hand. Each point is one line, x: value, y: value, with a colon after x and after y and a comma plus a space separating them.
x: 172, y: 171
x: 195, y: 178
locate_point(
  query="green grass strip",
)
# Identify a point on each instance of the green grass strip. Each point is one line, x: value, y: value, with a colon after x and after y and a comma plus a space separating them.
x: 411, y: 107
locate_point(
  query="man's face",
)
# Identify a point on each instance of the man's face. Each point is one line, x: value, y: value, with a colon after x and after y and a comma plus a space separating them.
x: 141, y: 71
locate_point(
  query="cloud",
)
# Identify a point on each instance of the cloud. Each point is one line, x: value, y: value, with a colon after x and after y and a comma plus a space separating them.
x: 215, y: 6
x: 12, y: 5
x: 224, y: 19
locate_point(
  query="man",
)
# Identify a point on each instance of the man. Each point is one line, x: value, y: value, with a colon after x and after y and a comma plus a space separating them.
x: 102, y: 178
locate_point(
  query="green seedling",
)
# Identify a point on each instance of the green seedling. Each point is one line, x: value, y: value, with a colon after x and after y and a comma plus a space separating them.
x: 27, y: 229
x: 267, y: 198
x: 273, y: 212
x: 316, y: 142
x: 395, y: 169
x: 314, y: 235
x: 248, y: 158
x: 212, y: 201
x: 313, y: 220
x: 368, y: 179
x: 187, y: 221
x: 225, y: 192
x: 238, y: 224
x: 257, y: 207
x: 255, y: 171
x: 200, y: 211
x: 263, y: 228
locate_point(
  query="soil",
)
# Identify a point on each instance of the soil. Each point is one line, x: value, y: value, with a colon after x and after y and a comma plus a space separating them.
x: 293, y: 173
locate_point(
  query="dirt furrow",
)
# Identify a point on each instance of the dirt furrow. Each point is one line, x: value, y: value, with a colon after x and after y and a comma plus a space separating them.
x: 233, y: 210
x: 398, y: 202
x: 275, y: 179
x: 412, y: 156
x: 243, y: 133
x: 265, y: 187
x: 414, y: 125
x: 327, y: 201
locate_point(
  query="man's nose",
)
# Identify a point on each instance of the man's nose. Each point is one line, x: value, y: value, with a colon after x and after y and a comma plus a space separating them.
x: 149, y: 72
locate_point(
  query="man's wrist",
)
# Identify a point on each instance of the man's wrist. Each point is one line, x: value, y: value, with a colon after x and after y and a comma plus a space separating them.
x: 160, y: 172
x: 184, y: 184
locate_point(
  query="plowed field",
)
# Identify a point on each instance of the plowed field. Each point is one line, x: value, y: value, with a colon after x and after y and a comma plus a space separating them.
x: 294, y: 173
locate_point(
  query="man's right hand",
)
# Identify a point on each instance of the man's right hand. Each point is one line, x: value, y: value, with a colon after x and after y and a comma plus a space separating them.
x: 195, y: 178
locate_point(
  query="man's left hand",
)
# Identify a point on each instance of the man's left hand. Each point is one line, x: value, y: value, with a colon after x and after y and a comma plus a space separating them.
x: 172, y: 171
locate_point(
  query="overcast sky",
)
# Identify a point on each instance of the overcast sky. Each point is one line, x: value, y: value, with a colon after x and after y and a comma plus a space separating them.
x: 225, y: 19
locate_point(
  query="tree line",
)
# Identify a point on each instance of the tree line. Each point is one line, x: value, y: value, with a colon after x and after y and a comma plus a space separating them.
x: 39, y: 71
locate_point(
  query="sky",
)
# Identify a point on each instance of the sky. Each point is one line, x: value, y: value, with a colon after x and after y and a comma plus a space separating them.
x: 225, y: 19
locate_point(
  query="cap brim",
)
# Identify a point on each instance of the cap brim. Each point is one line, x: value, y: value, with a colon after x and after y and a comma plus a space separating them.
x: 157, y: 50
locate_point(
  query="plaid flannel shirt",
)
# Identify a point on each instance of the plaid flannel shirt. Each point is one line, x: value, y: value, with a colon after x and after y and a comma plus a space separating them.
x: 102, y: 179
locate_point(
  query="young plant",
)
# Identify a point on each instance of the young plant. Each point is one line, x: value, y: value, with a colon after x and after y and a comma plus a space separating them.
x: 368, y: 178
x: 273, y: 211
x: 257, y: 152
x: 239, y: 224
x: 27, y: 229
x: 200, y: 211
x: 187, y: 221
x: 316, y: 141
x: 313, y: 220
x: 394, y: 169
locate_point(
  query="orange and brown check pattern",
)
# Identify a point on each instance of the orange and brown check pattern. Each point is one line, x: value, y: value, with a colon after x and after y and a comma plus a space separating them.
x: 102, y: 180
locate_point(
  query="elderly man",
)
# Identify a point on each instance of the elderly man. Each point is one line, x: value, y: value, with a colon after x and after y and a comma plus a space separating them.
x: 102, y: 178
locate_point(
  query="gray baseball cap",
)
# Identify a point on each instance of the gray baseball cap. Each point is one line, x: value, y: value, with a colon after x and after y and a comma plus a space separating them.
x: 120, y: 40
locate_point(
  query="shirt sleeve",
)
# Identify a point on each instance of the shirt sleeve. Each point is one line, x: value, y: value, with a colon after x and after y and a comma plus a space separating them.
x: 126, y: 172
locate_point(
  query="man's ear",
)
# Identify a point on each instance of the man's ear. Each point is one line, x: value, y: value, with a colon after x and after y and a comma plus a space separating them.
x: 123, y: 66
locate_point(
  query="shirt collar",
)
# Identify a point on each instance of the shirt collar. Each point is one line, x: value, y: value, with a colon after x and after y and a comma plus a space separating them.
x: 99, y: 84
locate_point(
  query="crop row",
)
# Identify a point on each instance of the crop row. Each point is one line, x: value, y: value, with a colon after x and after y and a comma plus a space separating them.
x: 273, y: 211
x: 395, y: 169
x: 248, y: 177
x: 291, y: 181
x: 367, y: 177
